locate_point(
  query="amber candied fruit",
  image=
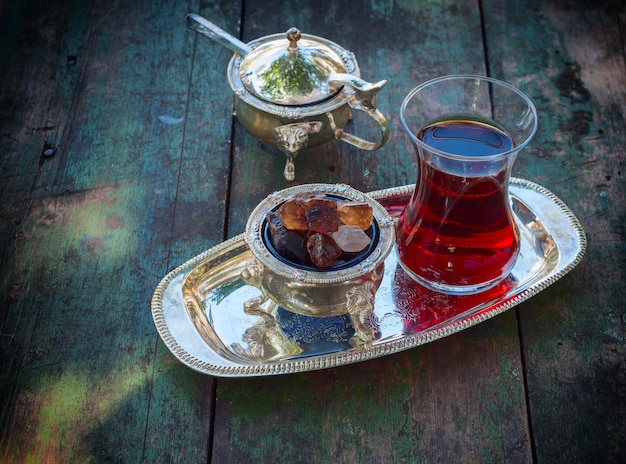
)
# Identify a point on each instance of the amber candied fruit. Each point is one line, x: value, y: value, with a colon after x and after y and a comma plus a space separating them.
x: 309, y: 212
x: 312, y: 228
x: 352, y: 213
x: 322, y: 249
x: 322, y: 216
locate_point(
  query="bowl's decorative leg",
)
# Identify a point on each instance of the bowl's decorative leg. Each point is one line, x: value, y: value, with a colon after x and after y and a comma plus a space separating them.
x: 360, y: 304
x: 291, y: 139
x: 265, y: 338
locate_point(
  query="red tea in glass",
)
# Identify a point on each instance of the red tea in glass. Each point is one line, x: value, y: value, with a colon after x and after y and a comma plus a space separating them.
x: 457, y: 234
x: 466, y: 234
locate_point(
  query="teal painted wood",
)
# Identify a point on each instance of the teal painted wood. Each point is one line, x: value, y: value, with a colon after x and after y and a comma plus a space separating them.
x: 88, y: 232
x: 456, y: 401
x: 569, y: 56
x: 147, y: 169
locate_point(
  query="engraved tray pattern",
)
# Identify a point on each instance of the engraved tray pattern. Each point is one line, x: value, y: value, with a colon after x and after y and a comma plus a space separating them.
x: 198, y: 307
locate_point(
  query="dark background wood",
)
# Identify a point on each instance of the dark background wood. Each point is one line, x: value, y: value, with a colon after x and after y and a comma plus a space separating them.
x: 120, y: 159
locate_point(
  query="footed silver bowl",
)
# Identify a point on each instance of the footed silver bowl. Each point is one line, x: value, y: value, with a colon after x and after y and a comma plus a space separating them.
x: 348, y: 289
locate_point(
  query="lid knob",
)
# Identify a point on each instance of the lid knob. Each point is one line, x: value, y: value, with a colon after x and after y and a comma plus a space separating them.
x: 293, y: 35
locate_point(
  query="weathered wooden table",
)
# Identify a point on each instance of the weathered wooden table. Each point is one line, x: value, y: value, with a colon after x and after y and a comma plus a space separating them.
x: 120, y: 159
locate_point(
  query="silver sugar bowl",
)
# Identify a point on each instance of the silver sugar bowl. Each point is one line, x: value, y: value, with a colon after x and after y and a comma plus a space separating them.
x: 348, y: 289
x: 295, y: 90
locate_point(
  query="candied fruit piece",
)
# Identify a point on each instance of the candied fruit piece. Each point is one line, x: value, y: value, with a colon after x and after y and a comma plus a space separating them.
x: 333, y: 227
x: 323, y: 250
x: 290, y: 244
x: 321, y: 215
x: 351, y: 239
x: 353, y: 213
x: 292, y: 214
x: 309, y: 212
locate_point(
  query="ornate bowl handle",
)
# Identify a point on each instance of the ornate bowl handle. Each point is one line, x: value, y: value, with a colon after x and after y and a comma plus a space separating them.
x: 366, y: 101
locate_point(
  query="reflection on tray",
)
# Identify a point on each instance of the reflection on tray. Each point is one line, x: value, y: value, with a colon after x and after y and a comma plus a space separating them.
x: 216, y: 323
x: 216, y: 295
x: 421, y: 309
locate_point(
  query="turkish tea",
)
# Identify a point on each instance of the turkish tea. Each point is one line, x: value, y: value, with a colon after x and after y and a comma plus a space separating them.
x: 457, y: 229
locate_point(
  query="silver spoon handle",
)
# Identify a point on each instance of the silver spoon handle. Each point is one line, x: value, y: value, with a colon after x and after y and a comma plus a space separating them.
x: 206, y: 28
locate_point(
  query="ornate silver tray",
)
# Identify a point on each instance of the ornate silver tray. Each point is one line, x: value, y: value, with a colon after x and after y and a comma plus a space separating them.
x: 198, y: 307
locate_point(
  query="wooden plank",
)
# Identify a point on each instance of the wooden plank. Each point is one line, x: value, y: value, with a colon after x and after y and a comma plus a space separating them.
x: 569, y: 56
x: 88, y: 232
x: 461, y: 399
x: 458, y: 400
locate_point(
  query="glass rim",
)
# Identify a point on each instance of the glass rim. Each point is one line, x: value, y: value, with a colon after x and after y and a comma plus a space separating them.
x: 451, y: 77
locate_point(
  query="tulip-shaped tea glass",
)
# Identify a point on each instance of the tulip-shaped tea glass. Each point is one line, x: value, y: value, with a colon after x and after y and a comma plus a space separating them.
x: 457, y: 234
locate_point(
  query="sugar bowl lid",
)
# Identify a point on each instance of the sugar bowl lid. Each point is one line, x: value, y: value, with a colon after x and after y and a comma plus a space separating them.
x: 294, y: 71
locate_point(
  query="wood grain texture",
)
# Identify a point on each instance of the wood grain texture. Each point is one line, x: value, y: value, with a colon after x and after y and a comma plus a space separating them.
x: 120, y: 159
x: 573, y: 334
x: 458, y: 400
x: 89, y: 231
